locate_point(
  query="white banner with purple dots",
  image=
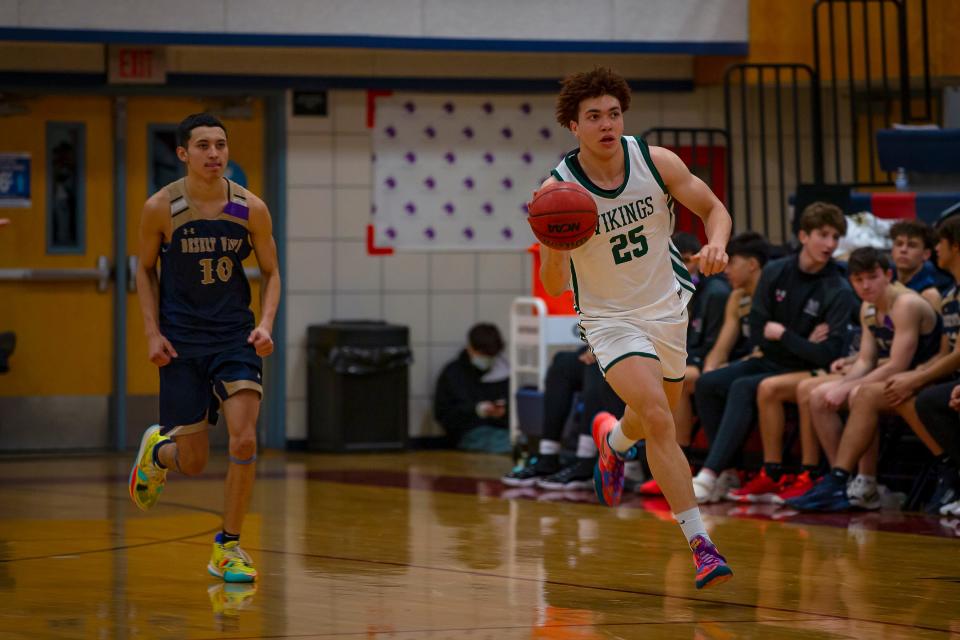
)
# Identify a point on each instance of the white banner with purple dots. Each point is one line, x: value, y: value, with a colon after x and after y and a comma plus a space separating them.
x: 456, y: 172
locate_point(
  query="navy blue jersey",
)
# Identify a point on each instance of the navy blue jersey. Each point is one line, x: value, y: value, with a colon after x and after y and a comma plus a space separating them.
x: 950, y: 312
x: 883, y: 332
x: 923, y: 279
x: 204, y: 293
x: 742, y: 346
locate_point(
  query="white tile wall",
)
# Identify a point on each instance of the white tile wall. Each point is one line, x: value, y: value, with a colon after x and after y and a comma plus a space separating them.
x: 349, y: 109
x: 453, y: 271
x: 310, y: 210
x: 351, y: 160
x: 355, y: 270
x: 309, y: 161
x: 310, y: 265
x: 406, y: 272
x: 352, y: 212
x: 303, y: 310
x: 357, y: 306
x: 501, y: 272
x: 451, y: 316
x: 411, y: 310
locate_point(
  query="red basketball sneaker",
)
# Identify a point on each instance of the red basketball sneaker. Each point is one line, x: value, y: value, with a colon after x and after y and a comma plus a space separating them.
x: 608, y: 472
x: 762, y: 488
x: 800, y: 485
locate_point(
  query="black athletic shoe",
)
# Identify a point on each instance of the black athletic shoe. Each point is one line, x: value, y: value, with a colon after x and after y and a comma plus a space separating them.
x: 578, y: 475
x: 947, y: 490
x: 537, y: 467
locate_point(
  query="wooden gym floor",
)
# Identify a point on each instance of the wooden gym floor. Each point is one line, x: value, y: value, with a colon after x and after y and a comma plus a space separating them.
x: 430, y: 545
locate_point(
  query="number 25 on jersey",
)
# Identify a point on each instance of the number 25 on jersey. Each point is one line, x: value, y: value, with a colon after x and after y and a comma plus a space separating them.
x: 620, y: 243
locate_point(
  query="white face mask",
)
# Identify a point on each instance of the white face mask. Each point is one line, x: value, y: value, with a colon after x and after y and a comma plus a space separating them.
x: 481, y: 362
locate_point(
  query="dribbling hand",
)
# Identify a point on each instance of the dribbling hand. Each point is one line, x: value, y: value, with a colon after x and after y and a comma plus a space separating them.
x: 261, y: 341
x: 712, y: 258
x: 160, y: 350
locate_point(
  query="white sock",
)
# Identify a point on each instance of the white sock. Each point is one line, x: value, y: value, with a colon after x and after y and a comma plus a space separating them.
x: 549, y: 447
x: 691, y: 524
x: 618, y: 440
x: 868, y: 480
x: 586, y: 447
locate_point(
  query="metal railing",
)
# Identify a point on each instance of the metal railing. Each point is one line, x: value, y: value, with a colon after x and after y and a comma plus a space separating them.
x: 865, y: 41
x: 775, y: 117
x: 704, y: 150
x: 101, y: 274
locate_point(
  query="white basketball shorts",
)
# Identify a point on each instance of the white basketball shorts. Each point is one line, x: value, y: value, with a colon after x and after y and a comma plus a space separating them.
x: 613, y: 339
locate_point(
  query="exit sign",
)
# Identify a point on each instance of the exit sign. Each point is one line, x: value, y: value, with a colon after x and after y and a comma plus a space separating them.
x: 136, y: 64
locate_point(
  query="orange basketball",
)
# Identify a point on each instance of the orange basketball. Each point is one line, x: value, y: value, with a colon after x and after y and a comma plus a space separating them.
x: 563, y: 215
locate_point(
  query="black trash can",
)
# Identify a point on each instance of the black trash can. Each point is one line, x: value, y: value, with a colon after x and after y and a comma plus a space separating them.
x: 357, y: 386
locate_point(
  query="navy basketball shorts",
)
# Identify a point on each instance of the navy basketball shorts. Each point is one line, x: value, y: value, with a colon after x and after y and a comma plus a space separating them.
x: 191, y: 389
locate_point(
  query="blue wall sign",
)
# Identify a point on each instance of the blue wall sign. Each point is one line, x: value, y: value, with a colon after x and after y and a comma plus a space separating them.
x: 15, y: 180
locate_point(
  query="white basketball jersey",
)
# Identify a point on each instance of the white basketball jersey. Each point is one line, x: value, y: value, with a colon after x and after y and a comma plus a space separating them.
x: 630, y: 265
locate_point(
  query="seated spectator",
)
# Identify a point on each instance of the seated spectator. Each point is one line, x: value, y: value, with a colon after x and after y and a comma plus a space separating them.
x: 795, y: 294
x: 748, y: 254
x: 922, y: 397
x: 900, y: 331
x: 569, y: 373
x: 705, y: 317
x: 470, y: 401
x: 946, y: 430
x: 913, y: 242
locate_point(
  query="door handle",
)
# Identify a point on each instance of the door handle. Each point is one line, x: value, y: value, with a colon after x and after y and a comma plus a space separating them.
x: 100, y: 274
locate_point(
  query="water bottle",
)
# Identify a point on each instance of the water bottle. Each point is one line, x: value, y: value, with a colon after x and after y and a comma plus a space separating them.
x: 900, y: 181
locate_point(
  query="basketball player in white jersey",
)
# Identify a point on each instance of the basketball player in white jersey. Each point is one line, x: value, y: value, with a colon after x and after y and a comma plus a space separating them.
x: 631, y: 291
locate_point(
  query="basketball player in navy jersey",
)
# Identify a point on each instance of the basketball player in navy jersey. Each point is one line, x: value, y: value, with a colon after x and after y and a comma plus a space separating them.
x: 201, y: 331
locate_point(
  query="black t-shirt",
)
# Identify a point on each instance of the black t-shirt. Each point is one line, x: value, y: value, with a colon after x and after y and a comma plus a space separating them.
x: 800, y: 301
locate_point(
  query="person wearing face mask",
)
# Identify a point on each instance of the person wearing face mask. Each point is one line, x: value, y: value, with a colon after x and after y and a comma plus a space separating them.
x: 470, y: 401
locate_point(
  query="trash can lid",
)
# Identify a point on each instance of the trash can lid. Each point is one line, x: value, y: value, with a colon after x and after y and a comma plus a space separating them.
x: 360, y: 333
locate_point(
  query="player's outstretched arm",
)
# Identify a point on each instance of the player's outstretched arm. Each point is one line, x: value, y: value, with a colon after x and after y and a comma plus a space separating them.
x: 554, y: 264
x: 261, y: 236
x: 154, y: 223
x: 695, y: 195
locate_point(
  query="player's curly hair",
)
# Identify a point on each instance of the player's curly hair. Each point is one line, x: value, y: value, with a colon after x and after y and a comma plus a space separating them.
x: 578, y: 87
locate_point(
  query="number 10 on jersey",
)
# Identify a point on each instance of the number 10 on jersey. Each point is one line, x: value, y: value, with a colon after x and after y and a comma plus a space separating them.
x: 224, y: 269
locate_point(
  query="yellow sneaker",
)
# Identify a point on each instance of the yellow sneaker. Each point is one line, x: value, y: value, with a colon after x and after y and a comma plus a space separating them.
x: 228, y: 600
x: 146, y: 480
x: 231, y: 563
